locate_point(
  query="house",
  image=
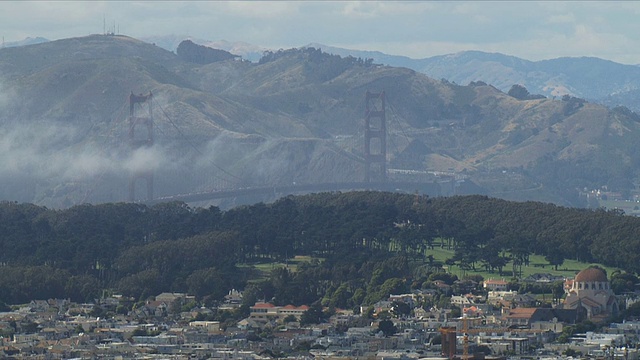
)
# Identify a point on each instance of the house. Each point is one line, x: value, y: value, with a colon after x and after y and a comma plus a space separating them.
x: 472, y: 311
x: 266, y: 312
x: 39, y: 305
x: 161, y: 339
x: 523, y: 300
x: 501, y: 298
x: 464, y: 286
x: 495, y: 285
x: 296, y: 311
x: 409, y: 299
x: 380, y: 306
x: 505, y: 344
x: 234, y: 297
x: 442, y: 286
x: 157, y: 308
x: 263, y: 312
x: 212, y: 327
x: 519, y: 317
x: 168, y: 298
x: 151, y: 309
x: 543, y: 278
x: 527, y: 317
x: 462, y: 300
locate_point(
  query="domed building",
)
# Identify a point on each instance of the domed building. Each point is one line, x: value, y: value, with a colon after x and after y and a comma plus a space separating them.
x: 592, y: 292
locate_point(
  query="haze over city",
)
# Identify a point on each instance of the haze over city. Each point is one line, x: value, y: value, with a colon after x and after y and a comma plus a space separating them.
x: 533, y: 30
x: 438, y: 180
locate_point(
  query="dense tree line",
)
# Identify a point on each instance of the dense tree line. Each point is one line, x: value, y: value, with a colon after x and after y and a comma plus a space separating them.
x: 521, y: 93
x: 318, y: 65
x: 370, y: 243
x: 189, y: 51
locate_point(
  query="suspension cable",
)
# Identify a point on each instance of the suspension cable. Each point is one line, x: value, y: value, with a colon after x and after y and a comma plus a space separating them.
x: 196, y: 148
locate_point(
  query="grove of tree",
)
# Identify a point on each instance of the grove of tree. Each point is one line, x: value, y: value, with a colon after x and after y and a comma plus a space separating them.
x: 367, y: 245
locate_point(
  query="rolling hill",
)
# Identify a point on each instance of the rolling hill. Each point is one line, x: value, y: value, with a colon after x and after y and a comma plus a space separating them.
x: 296, y: 116
x: 597, y: 80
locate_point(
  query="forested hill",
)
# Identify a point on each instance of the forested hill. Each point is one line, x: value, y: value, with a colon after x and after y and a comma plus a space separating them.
x: 366, y: 240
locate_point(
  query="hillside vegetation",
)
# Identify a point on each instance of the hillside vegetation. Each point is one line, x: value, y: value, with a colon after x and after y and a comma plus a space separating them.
x: 601, y: 81
x: 296, y: 116
x: 366, y: 243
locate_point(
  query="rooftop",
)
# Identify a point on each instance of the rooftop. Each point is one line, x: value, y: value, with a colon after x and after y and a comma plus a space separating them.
x: 591, y: 274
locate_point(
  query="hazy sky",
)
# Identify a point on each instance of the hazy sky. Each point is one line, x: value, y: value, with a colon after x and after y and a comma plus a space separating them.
x: 533, y: 30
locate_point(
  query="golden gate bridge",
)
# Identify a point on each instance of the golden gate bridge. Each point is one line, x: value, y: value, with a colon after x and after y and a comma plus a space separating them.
x: 371, y: 162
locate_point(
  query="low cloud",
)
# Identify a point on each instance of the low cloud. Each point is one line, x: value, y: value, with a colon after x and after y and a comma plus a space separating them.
x: 145, y: 159
x: 51, y: 154
x: 5, y: 96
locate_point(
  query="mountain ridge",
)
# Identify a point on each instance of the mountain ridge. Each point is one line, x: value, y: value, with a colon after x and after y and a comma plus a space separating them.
x: 294, y: 116
x: 575, y: 76
x: 550, y: 77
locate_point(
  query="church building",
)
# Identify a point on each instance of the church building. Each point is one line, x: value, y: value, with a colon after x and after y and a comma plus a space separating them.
x: 591, y: 292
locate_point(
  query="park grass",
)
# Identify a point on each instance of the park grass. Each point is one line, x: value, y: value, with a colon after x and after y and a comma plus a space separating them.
x: 568, y: 269
x: 629, y: 207
x: 537, y: 264
x: 263, y: 270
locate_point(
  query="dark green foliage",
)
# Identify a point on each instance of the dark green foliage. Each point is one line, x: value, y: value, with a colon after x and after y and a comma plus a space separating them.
x: 400, y: 309
x: 568, y: 331
x: 4, y: 307
x: 485, y: 349
x: 572, y: 352
x: 29, y: 327
x: 314, y: 315
x: 572, y: 104
x: 372, y: 245
x: 289, y: 318
x: 23, y: 284
x: 318, y: 66
x: 141, y: 285
x: 200, y: 54
x: 555, y: 258
x: 83, y: 288
x: 633, y: 311
x: 519, y: 92
x: 445, y: 277
x: 625, y: 111
x: 387, y: 327
x: 208, y: 281
x: 623, y: 282
x: 143, y: 332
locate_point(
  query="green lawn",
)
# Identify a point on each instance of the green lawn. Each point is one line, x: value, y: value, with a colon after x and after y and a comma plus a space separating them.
x: 537, y: 265
x: 629, y: 207
x: 264, y: 269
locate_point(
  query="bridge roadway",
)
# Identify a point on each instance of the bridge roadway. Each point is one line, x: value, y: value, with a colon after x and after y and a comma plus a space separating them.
x: 431, y: 189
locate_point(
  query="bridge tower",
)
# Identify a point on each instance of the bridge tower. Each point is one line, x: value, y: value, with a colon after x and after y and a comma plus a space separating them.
x: 375, y: 138
x: 138, y: 104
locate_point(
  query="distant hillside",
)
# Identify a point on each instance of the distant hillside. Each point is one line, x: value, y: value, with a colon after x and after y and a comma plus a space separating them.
x: 295, y: 116
x: 199, y: 54
x: 26, y: 41
x: 245, y: 50
x: 597, y: 80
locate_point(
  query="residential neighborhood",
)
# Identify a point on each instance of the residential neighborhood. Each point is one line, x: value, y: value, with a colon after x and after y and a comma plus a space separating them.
x: 493, y: 322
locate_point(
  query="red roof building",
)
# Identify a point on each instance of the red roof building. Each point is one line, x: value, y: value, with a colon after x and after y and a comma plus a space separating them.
x: 495, y: 285
x: 264, y: 312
